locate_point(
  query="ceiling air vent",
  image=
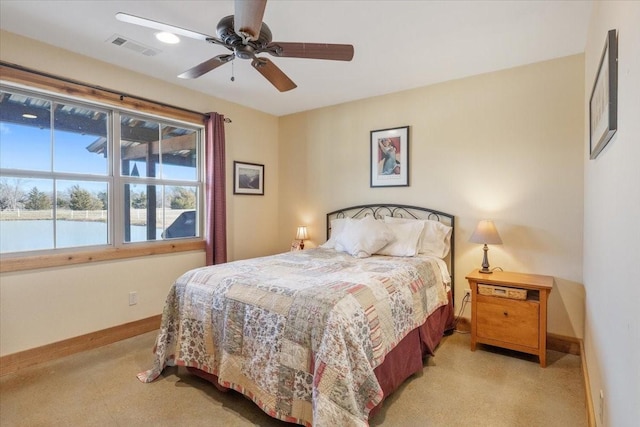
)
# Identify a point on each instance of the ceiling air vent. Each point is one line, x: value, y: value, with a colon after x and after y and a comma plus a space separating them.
x: 118, y: 41
x: 132, y: 45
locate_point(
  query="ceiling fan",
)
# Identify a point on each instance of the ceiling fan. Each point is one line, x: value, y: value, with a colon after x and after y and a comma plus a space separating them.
x: 245, y: 35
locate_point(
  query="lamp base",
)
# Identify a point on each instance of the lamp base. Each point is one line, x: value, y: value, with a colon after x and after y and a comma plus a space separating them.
x: 485, y: 261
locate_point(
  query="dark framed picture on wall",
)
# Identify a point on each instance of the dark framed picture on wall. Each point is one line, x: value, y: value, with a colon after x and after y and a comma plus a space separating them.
x: 390, y: 157
x: 248, y: 178
x: 603, y: 104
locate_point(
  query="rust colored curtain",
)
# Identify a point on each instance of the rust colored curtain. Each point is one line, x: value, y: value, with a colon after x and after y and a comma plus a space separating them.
x: 215, y: 198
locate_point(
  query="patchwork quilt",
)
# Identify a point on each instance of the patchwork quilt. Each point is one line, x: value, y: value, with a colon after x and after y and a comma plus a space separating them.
x: 299, y: 333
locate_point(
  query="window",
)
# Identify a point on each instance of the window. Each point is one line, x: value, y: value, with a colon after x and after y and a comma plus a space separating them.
x: 77, y: 175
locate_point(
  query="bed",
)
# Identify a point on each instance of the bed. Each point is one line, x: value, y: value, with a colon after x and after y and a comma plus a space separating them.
x: 320, y: 336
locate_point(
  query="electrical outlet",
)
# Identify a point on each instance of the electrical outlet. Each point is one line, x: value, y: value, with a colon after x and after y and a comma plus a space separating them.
x: 601, y: 407
x: 133, y: 298
x: 467, y: 293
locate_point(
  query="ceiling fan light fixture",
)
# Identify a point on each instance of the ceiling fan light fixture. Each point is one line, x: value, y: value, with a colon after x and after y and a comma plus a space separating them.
x: 168, y: 38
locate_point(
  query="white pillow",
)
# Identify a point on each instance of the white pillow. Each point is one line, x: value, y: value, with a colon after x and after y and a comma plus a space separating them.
x: 337, y: 225
x: 364, y: 237
x: 406, y: 240
x: 435, y: 239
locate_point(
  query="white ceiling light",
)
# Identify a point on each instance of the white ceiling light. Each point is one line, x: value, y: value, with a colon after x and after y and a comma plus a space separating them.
x: 168, y: 38
x: 29, y: 116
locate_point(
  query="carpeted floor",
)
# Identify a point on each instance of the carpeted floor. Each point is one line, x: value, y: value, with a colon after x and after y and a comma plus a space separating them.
x: 457, y: 387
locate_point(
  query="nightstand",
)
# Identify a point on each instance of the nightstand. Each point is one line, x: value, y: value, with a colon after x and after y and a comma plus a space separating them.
x: 509, y: 310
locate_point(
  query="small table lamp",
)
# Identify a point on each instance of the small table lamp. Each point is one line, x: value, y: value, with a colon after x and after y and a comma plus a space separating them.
x: 486, y: 233
x: 302, y: 235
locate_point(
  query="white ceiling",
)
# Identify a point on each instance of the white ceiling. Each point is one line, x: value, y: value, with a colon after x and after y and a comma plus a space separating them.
x: 398, y: 44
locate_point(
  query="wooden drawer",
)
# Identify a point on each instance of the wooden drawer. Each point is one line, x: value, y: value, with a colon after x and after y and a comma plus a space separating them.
x: 510, y: 321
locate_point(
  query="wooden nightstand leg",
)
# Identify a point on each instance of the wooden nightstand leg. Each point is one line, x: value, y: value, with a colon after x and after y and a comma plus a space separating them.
x: 544, y: 296
x: 474, y: 289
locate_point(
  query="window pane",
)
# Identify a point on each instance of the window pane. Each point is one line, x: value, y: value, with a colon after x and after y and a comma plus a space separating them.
x: 81, y: 214
x: 26, y: 214
x: 143, y: 213
x: 139, y: 147
x: 174, y: 218
x: 25, y: 132
x: 67, y: 146
x: 179, y: 158
x: 80, y: 140
x: 180, y: 212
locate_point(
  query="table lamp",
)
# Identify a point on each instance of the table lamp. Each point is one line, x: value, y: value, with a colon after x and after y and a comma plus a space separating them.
x: 302, y: 235
x: 487, y: 234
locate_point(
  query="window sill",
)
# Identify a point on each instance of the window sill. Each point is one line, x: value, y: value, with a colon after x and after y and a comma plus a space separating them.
x: 9, y: 264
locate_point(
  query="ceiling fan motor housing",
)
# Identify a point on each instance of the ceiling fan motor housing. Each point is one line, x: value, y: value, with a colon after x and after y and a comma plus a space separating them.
x: 233, y: 41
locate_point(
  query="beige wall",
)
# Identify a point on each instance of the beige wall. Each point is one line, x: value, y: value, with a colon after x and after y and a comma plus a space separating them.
x: 612, y: 227
x: 44, y: 306
x: 505, y: 145
x: 49, y: 305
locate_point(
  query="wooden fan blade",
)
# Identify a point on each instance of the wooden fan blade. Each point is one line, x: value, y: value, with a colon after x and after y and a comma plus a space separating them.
x: 335, y: 52
x: 274, y: 74
x: 248, y: 18
x: 206, y: 66
x: 155, y: 25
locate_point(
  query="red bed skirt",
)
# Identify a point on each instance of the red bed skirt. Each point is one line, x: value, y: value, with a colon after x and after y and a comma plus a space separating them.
x: 403, y: 361
x: 407, y: 357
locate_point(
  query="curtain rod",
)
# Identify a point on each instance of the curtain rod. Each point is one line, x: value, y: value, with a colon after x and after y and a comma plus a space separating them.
x: 111, y: 91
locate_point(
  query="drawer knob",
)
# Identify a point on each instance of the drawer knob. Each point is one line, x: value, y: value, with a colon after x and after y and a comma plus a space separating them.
x: 505, y: 313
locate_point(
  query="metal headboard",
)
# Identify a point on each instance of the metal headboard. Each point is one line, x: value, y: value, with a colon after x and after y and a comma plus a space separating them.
x: 379, y: 211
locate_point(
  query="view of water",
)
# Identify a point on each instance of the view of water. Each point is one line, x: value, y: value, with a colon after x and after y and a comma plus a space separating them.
x: 17, y: 236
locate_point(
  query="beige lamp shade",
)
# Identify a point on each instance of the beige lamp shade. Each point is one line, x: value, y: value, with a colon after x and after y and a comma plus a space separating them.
x: 301, y: 234
x: 486, y: 233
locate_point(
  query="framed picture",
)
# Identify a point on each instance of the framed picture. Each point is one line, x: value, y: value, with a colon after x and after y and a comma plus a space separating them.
x: 603, y: 104
x: 390, y: 157
x: 248, y: 178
